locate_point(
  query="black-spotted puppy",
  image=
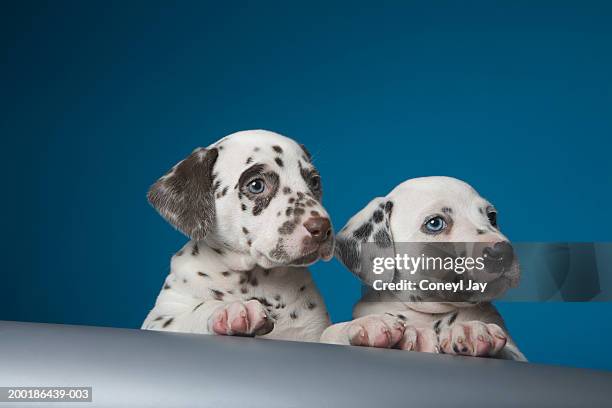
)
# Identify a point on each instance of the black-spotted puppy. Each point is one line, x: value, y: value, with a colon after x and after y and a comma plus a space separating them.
x: 251, y: 204
x: 426, y: 213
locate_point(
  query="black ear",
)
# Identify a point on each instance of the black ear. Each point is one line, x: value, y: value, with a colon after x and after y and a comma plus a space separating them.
x: 367, y: 235
x: 184, y: 195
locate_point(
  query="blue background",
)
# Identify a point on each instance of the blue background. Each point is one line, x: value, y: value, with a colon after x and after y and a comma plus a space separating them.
x: 99, y: 99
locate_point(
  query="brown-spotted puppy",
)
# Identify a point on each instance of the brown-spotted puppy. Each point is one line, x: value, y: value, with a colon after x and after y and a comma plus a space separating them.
x: 426, y: 213
x: 251, y: 204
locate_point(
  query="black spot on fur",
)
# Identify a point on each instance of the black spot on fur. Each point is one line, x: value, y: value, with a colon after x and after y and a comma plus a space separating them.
x: 195, y: 250
x: 277, y: 297
x: 287, y: 228
x: 382, y: 238
x: 311, y: 305
x: 246, y: 231
x: 363, y: 232
x: 388, y: 206
x: 293, y: 315
x: 217, y: 294
x: 225, y: 273
x: 456, y: 348
x: 378, y: 216
x: 447, y: 210
x: 166, y: 286
x: 302, y: 288
x: 249, y: 160
x: 168, y: 322
x: 480, y: 232
x: 243, y: 206
x: 243, y: 290
x: 217, y: 250
x: 286, y: 190
x: 262, y: 300
x: 197, y: 306
x: 202, y: 274
x: 279, y: 161
x: 452, y: 318
x: 179, y: 253
x: 436, y: 326
x: 315, y: 213
x: 277, y: 149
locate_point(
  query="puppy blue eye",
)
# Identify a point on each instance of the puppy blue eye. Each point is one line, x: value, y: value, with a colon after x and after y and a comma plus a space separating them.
x: 256, y: 186
x: 435, y: 224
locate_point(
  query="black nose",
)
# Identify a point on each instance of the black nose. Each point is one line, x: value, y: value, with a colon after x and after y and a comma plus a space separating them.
x: 319, y: 228
x: 501, y: 252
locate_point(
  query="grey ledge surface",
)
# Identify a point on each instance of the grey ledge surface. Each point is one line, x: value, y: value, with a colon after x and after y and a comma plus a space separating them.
x: 134, y: 368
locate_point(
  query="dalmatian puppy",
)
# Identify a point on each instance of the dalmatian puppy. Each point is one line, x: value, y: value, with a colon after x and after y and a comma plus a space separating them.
x: 428, y: 211
x: 251, y: 204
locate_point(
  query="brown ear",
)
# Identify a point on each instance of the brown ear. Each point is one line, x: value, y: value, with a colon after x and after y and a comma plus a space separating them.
x: 184, y: 195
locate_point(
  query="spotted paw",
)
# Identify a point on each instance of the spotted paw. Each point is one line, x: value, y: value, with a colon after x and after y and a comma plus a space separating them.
x: 241, y: 319
x: 473, y: 339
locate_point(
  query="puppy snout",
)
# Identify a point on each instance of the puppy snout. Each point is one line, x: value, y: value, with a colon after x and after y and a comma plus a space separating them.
x: 319, y: 228
x: 501, y: 252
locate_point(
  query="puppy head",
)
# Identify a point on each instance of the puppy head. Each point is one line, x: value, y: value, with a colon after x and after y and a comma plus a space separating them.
x: 436, y: 217
x: 255, y: 193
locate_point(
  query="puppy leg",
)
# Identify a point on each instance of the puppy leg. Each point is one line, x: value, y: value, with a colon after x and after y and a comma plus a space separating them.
x: 211, y: 317
x: 381, y: 331
x: 476, y: 332
x: 241, y: 319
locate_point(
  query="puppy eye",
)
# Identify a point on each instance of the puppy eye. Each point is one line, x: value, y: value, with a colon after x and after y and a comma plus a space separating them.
x: 435, y: 225
x: 315, y: 182
x: 256, y: 186
x: 492, y: 216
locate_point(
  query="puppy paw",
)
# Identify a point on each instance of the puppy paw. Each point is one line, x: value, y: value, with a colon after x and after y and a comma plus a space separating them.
x: 241, y: 319
x: 419, y: 339
x: 473, y: 339
x: 382, y: 331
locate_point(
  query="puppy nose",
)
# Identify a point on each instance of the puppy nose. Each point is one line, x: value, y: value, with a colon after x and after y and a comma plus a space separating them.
x: 319, y: 228
x: 500, y: 252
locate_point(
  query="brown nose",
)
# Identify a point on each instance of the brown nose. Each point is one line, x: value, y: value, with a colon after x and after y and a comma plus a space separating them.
x: 319, y: 228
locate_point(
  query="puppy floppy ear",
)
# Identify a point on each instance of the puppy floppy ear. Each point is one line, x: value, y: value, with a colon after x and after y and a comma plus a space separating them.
x: 184, y: 195
x: 366, y: 236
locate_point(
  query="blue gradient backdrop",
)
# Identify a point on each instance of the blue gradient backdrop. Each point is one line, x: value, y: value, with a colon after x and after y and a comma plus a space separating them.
x: 99, y: 99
